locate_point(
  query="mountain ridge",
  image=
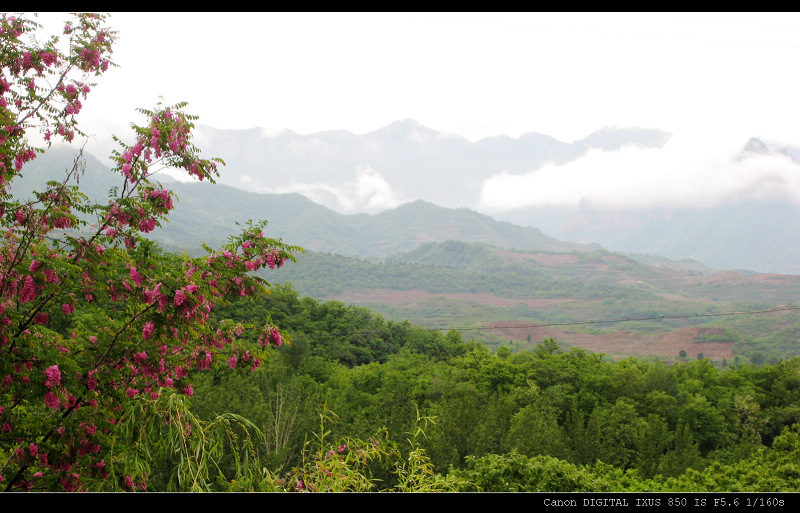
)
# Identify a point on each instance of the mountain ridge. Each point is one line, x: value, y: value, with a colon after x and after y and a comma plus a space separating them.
x: 299, y: 220
x: 378, y: 168
x: 414, y: 161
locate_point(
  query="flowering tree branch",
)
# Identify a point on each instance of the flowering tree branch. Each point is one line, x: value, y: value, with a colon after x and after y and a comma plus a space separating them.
x: 92, y: 314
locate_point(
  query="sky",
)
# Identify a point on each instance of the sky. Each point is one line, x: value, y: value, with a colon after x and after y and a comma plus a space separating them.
x: 713, y: 80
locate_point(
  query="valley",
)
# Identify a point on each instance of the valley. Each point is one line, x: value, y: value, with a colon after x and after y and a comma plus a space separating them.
x: 501, y: 283
x: 601, y: 301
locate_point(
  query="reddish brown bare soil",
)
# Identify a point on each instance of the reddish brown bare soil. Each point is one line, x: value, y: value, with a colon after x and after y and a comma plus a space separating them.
x: 410, y: 298
x: 665, y: 346
x: 733, y: 277
x: 547, y: 259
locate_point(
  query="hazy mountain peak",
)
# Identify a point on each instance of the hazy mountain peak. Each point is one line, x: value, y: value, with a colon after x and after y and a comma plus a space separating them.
x: 611, y: 138
x: 403, y: 126
x: 413, y: 131
x: 756, y: 145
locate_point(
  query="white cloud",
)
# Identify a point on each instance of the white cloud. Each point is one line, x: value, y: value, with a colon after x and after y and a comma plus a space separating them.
x: 368, y: 192
x: 687, y: 172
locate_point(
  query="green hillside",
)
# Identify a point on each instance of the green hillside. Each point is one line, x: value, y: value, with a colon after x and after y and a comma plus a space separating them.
x: 600, y: 300
x: 444, y: 267
x: 209, y: 214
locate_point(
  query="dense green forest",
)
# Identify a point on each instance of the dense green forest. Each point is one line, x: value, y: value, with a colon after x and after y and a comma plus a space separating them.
x: 538, y: 420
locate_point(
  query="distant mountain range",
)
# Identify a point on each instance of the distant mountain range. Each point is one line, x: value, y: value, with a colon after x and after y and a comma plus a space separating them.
x: 374, y: 194
x: 406, y: 161
x: 412, y: 161
x: 209, y: 213
x: 442, y: 266
x: 762, y: 235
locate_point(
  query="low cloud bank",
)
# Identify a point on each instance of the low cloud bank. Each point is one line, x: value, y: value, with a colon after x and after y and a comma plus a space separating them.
x: 369, y: 192
x: 683, y: 173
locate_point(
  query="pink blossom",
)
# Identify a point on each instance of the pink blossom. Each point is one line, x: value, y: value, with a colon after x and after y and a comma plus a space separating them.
x: 27, y: 60
x: 135, y: 276
x: 51, y: 401
x: 67, y: 308
x: 275, y: 336
x: 50, y: 275
x: 28, y: 290
x: 90, y: 59
x: 48, y: 58
x: 53, y: 376
x: 147, y: 331
x: 147, y: 225
x: 149, y: 296
x: 62, y: 222
x: 180, y: 297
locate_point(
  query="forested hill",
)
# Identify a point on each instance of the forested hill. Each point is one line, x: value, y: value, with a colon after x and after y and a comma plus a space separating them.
x: 209, y: 214
x: 652, y: 310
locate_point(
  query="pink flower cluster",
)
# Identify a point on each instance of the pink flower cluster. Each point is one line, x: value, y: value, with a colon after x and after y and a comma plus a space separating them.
x: 147, y: 331
x: 161, y: 200
x: 53, y: 376
x: 71, y: 93
x: 161, y: 327
x: 271, y: 334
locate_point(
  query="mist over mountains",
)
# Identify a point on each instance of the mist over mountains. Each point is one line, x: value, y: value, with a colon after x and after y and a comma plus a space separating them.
x: 209, y: 213
x: 731, y: 205
x: 626, y: 189
x: 401, y: 162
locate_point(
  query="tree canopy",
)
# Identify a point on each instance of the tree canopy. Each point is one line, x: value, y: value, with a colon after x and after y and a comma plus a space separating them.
x: 94, y: 317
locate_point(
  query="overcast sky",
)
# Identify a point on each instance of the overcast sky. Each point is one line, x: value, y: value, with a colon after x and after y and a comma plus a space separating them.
x: 716, y: 77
